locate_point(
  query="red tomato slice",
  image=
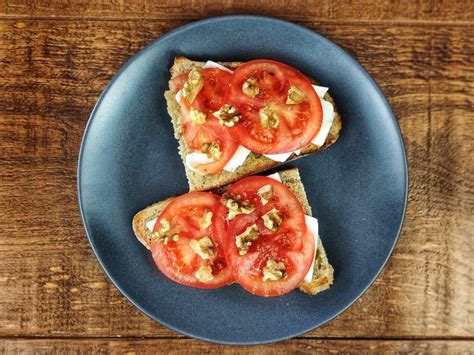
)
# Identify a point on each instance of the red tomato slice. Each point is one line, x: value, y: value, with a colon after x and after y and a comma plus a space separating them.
x: 211, y: 97
x: 211, y: 131
x: 298, y: 123
x: 290, y: 244
x: 209, y: 100
x: 175, y: 257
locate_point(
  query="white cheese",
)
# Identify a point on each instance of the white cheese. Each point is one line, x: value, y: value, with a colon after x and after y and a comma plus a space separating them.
x: 328, y: 119
x: 275, y: 176
x: 195, y: 158
x: 179, y: 95
x: 237, y: 159
x: 279, y: 157
x: 320, y: 90
x: 312, y: 224
x: 151, y: 224
x: 211, y: 64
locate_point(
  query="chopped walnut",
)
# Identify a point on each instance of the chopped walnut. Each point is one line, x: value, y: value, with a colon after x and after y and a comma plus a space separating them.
x: 197, y: 116
x: 163, y: 235
x: 295, y: 96
x: 203, y: 247
x: 193, y: 85
x: 205, y: 220
x: 228, y: 115
x: 164, y: 226
x: 244, y: 240
x: 212, y: 150
x: 272, y: 220
x: 236, y: 206
x: 204, y: 274
x: 273, y: 271
x: 265, y: 193
x: 250, y: 88
x: 268, y: 118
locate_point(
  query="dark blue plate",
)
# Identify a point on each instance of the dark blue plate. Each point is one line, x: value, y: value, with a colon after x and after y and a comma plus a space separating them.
x: 129, y: 159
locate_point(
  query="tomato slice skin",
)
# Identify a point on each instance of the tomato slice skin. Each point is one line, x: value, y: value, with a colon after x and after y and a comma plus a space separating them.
x: 298, y: 123
x: 211, y: 131
x: 176, y: 259
x: 292, y: 244
x: 209, y: 100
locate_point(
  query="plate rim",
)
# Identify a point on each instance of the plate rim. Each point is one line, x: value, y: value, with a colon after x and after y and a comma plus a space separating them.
x: 205, y: 21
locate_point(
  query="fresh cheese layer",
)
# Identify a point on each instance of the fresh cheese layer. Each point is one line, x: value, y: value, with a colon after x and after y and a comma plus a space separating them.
x: 151, y: 224
x: 313, y: 226
x: 275, y: 176
x: 195, y: 158
x: 328, y: 116
x: 211, y: 64
x: 242, y: 153
x: 237, y: 159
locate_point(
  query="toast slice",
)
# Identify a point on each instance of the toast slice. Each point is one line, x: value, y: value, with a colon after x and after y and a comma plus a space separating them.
x: 323, y: 273
x: 254, y: 163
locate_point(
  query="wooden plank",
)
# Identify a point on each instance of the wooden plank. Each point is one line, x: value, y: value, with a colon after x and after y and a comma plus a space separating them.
x: 60, y: 80
x: 188, y: 346
x: 53, y: 72
x: 307, y: 10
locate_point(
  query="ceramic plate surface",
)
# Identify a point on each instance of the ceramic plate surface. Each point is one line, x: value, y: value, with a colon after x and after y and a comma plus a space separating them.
x: 129, y: 159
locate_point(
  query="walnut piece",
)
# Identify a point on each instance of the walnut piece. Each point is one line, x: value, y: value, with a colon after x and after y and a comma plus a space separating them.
x: 250, y: 88
x: 268, y: 118
x: 197, y: 116
x: 273, y: 271
x: 228, y: 115
x: 204, y: 274
x: 205, y: 220
x: 295, y: 96
x: 236, y: 206
x: 265, y: 193
x: 193, y: 85
x: 244, y: 240
x: 212, y: 150
x: 203, y: 247
x: 272, y: 220
x: 163, y: 235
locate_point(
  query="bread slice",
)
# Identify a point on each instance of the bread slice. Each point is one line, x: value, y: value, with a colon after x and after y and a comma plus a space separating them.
x: 323, y: 271
x: 254, y: 163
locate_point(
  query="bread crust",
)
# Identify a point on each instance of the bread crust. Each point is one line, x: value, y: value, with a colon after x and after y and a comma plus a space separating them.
x: 323, y: 271
x: 255, y: 163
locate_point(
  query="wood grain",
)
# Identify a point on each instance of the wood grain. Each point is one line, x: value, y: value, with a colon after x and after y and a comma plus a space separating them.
x: 54, y: 69
x: 188, y: 346
x: 305, y: 10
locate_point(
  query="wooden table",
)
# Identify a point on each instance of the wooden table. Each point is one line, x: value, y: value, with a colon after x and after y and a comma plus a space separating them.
x: 57, y: 57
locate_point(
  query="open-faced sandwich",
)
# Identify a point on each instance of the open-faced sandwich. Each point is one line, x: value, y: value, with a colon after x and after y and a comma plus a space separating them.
x: 237, y: 119
x: 257, y: 232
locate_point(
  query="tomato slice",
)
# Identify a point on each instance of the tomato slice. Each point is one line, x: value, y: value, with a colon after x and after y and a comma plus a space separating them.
x: 180, y: 229
x: 211, y: 132
x: 298, y: 123
x: 209, y: 100
x: 278, y: 259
